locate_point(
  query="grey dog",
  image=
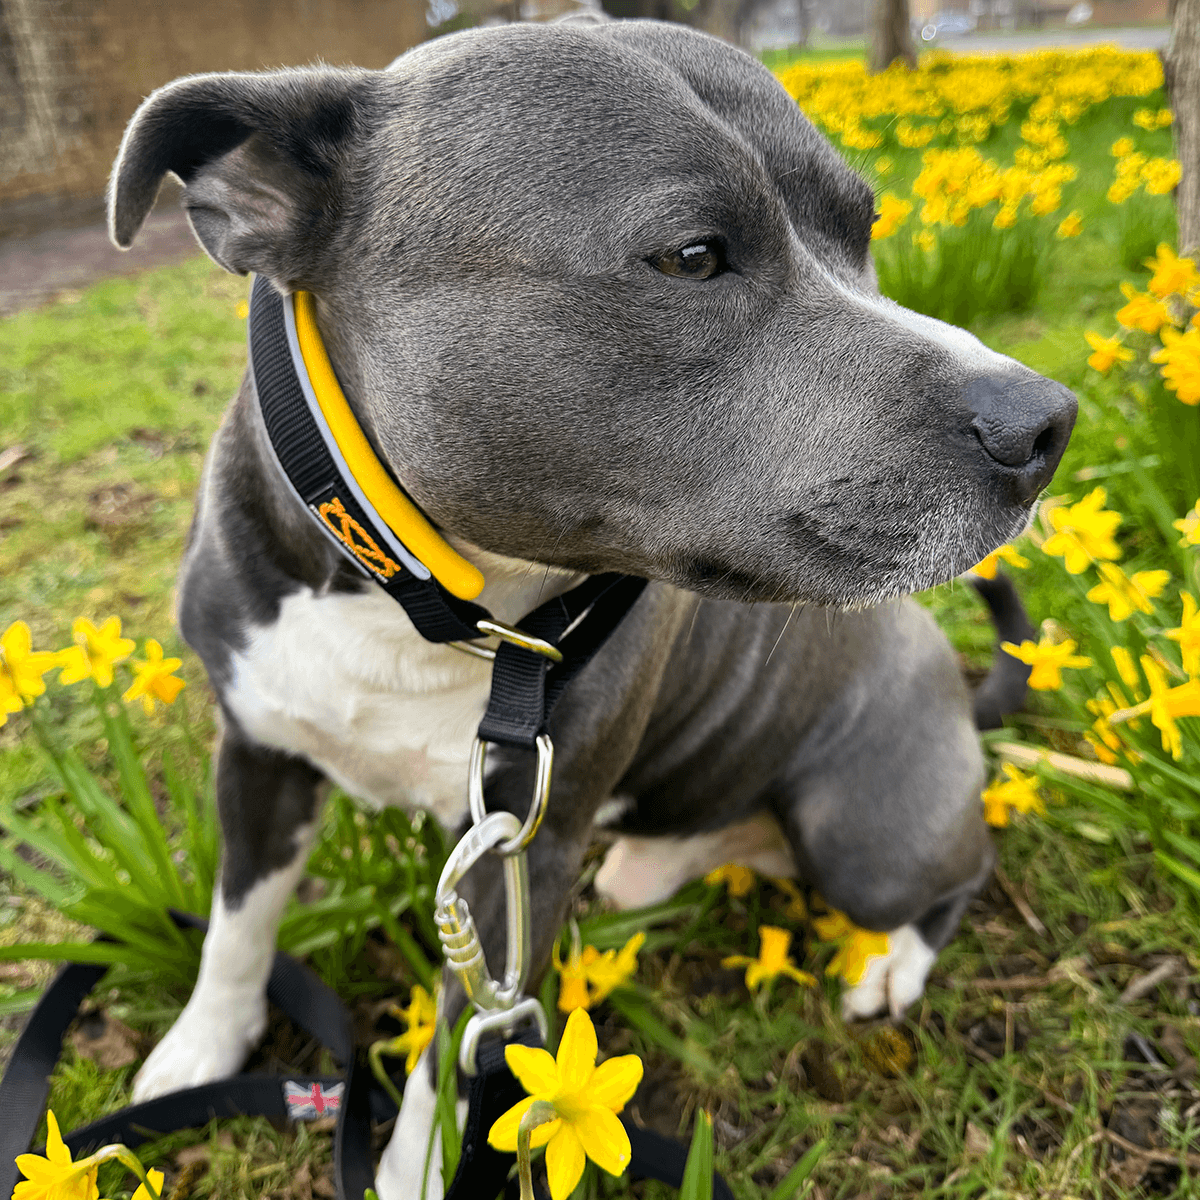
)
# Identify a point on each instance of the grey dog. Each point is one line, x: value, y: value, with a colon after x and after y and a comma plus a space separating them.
x: 603, y: 300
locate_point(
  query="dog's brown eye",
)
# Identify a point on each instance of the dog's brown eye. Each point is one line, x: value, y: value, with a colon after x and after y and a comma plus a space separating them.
x: 701, y: 260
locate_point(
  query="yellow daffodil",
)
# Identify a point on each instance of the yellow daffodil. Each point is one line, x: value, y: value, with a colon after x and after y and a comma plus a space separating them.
x: 10, y: 700
x: 156, y: 1182
x: 796, y: 909
x: 586, y: 1097
x: 1189, y: 526
x: 1102, y: 738
x: 572, y: 982
x: 1166, y: 704
x: 1016, y: 792
x: 924, y: 240
x: 772, y: 960
x: 1161, y: 175
x: 1125, y: 593
x: 1084, y: 532
x: 1171, y: 275
x: 1180, y: 358
x: 1120, y: 191
x: 1105, y: 352
x: 155, y: 678
x: 23, y: 665
x: 1070, y: 226
x: 613, y: 969
x: 1143, y: 311
x: 738, y: 881
x: 1121, y: 147
x: 892, y: 214
x: 988, y: 567
x: 1187, y: 634
x: 1048, y: 659
x: 856, y: 949
x: 1126, y: 667
x: 420, y: 1019
x: 95, y: 652
x: 55, y: 1177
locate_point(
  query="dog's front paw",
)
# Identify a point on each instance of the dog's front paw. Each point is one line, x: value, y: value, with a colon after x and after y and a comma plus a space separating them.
x: 893, y: 980
x: 208, y: 1042
x: 415, y: 1141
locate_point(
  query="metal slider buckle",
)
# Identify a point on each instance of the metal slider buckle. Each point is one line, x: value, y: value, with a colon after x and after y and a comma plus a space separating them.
x: 504, y: 1022
x: 537, y: 806
x: 507, y: 633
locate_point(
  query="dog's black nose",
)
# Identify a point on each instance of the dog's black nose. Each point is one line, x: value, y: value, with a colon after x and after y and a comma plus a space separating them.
x: 1023, y: 424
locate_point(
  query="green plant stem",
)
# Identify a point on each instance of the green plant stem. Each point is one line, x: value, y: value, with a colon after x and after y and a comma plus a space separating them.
x: 375, y: 1057
x: 127, y: 1158
x: 538, y: 1113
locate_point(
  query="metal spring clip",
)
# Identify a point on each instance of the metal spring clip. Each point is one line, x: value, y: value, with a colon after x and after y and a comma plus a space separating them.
x: 500, y: 1006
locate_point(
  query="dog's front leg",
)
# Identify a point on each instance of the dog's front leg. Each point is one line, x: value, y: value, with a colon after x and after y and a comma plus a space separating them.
x: 267, y: 804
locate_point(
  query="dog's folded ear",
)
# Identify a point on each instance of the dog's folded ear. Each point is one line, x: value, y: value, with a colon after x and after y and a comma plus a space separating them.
x: 262, y: 157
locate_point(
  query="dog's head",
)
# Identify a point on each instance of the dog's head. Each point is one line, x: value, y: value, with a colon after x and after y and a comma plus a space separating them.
x: 603, y: 298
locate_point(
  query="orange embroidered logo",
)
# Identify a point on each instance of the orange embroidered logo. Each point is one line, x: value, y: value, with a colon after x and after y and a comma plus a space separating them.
x: 360, y: 543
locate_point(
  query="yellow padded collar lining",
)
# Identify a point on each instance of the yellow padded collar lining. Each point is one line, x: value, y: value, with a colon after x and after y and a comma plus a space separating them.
x: 459, y: 577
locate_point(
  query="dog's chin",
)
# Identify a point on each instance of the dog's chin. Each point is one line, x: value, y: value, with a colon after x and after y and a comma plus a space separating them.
x: 847, y: 581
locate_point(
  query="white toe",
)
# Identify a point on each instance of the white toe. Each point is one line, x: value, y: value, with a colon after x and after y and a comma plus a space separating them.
x: 893, y: 980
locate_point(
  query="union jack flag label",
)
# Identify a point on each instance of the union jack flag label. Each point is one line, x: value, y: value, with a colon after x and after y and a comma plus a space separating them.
x: 306, y: 1103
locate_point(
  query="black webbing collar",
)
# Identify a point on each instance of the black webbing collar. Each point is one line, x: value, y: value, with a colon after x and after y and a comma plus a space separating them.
x: 525, y: 686
x: 354, y: 1097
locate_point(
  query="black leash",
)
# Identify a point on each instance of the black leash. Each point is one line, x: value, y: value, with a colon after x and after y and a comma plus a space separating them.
x: 353, y: 1097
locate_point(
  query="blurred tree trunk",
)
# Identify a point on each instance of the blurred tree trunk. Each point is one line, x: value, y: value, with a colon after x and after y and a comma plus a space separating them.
x: 802, y: 18
x: 1182, y: 63
x: 891, y: 37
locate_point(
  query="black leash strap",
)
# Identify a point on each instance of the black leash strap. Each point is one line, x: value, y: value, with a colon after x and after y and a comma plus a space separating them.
x: 526, y: 685
x: 308, y: 1002
x: 314, y: 1007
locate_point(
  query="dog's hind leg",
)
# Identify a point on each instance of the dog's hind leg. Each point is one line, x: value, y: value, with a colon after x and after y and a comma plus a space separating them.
x: 267, y: 803
x: 894, y: 837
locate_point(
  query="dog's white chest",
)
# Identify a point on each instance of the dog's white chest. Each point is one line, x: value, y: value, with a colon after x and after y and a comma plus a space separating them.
x: 345, y: 681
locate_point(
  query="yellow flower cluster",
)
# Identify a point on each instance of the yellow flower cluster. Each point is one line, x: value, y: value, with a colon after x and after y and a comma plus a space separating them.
x: 93, y: 655
x: 961, y: 98
x: 1015, y: 792
x: 1147, y: 118
x: 1167, y: 308
x: 1084, y: 537
x: 952, y: 183
x: 588, y: 977
x: 1135, y: 169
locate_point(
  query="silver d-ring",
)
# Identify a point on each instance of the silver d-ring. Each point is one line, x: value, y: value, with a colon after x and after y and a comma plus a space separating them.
x: 537, y: 806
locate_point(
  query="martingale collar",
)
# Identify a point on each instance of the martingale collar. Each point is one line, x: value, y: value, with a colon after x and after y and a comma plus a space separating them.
x: 332, y: 470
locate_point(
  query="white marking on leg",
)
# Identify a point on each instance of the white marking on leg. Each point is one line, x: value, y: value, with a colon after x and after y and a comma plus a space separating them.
x: 403, y: 1162
x: 893, y: 980
x: 647, y: 870
x: 227, y: 1012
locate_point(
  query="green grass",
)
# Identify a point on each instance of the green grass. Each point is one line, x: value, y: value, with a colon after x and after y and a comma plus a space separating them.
x: 1011, y: 1091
